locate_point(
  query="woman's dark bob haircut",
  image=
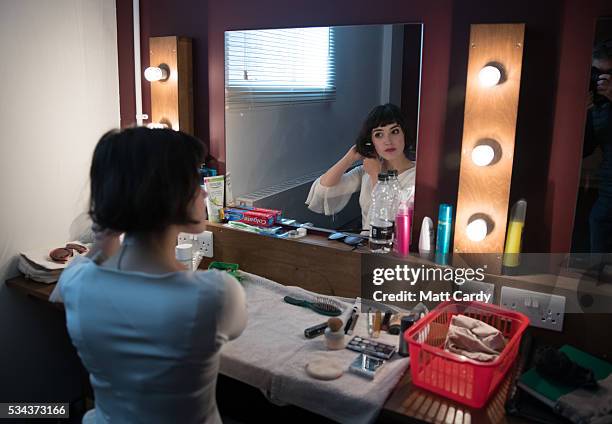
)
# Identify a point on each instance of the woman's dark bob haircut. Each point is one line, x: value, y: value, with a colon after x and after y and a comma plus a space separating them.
x: 143, y: 180
x: 381, y: 116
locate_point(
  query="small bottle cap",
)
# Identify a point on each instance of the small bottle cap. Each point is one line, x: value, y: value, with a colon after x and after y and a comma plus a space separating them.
x: 519, y: 210
x: 445, y: 213
x: 183, y: 252
x: 408, y: 321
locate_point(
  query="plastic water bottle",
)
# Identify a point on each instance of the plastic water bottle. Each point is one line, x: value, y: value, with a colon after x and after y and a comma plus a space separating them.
x: 395, y: 190
x: 382, y: 220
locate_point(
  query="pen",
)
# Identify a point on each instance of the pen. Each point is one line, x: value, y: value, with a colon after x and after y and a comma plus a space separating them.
x: 384, y: 326
x: 349, y: 321
x: 347, y: 327
x: 353, y: 324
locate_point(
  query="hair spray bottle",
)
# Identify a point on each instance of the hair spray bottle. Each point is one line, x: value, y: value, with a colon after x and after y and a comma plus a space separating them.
x: 403, y: 225
x: 445, y: 220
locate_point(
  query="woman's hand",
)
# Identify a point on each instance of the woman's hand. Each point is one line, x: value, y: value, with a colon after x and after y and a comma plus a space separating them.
x: 604, y: 86
x: 334, y: 174
x: 106, y: 243
x: 353, y: 155
x: 373, y: 167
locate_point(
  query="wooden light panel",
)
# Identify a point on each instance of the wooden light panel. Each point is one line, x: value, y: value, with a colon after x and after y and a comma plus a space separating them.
x: 490, y: 113
x: 172, y: 100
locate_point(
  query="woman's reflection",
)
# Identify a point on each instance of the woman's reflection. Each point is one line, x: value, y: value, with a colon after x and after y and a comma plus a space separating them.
x: 598, y: 134
x: 382, y: 145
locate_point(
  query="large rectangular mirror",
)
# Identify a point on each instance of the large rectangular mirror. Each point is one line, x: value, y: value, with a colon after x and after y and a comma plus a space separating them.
x: 295, y: 102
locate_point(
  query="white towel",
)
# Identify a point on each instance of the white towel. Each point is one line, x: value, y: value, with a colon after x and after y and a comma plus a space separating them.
x: 272, y: 354
x: 474, y: 339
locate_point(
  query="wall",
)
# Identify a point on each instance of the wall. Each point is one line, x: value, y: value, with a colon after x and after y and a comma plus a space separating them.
x: 187, y: 18
x: 558, y: 41
x: 392, y: 64
x: 550, y: 127
x: 436, y: 16
x: 60, y: 93
x: 536, y: 104
x: 578, y: 22
x: 304, y: 138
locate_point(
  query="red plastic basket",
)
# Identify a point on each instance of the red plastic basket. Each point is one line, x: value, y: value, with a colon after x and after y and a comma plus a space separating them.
x: 455, y: 376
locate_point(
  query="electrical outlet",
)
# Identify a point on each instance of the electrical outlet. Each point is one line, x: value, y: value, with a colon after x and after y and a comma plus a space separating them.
x: 204, y: 243
x: 544, y: 310
x: 184, y: 238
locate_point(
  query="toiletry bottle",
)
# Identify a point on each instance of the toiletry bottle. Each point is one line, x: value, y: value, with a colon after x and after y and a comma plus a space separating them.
x: 394, y: 190
x: 381, y: 217
x: 184, y: 255
x: 403, y: 221
x: 512, y: 250
x: 406, y: 322
x: 334, y: 334
x: 426, y: 240
x: 445, y: 220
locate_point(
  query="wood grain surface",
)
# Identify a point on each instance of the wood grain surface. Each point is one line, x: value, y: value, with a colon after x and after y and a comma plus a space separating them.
x: 490, y: 113
x: 172, y: 100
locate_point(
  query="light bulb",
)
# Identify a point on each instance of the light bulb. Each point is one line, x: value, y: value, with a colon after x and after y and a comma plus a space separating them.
x: 483, y: 155
x: 154, y: 73
x: 489, y: 76
x: 477, y: 230
x: 156, y: 125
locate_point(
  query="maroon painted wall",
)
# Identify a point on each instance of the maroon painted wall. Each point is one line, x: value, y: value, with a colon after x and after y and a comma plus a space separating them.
x: 551, y: 120
x: 125, y: 57
x: 536, y: 103
x: 158, y: 18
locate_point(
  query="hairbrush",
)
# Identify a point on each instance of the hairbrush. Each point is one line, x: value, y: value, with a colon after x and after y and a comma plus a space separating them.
x: 319, y: 304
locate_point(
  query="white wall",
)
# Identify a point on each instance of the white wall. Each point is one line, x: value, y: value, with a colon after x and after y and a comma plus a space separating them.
x: 60, y: 93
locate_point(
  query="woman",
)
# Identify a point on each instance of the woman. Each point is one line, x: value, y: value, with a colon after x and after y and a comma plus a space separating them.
x: 382, y: 146
x: 147, y: 330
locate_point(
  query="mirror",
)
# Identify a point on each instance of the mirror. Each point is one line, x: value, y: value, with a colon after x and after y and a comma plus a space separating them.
x: 295, y: 102
x: 592, y: 232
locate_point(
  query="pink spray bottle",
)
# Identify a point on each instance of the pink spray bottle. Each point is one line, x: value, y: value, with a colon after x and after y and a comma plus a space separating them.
x: 403, y: 222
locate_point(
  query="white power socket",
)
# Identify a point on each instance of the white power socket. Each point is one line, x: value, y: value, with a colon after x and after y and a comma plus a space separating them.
x: 185, y: 238
x: 544, y: 310
x: 204, y: 244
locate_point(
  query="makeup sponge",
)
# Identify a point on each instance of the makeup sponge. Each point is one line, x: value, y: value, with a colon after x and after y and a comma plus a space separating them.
x: 334, y: 324
x: 324, y: 369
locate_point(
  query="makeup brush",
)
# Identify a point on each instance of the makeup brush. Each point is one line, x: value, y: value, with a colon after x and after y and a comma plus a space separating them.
x: 320, y: 304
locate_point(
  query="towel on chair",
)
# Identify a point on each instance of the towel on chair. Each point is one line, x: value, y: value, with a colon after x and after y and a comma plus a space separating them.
x: 474, y: 339
x: 584, y: 406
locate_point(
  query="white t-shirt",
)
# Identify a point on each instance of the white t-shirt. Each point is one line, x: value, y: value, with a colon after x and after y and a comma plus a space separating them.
x: 151, y: 341
x: 331, y: 200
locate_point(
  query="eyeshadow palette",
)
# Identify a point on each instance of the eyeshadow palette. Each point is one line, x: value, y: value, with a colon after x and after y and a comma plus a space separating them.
x: 371, y: 347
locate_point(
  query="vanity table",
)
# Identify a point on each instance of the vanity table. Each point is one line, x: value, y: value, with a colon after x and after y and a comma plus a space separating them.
x: 333, y: 268
x: 404, y: 404
x: 318, y: 264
